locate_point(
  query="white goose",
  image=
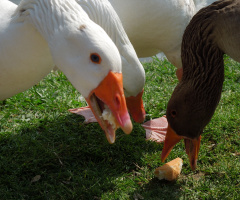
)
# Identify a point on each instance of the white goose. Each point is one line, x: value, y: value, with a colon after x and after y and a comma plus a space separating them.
x: 40, y: 33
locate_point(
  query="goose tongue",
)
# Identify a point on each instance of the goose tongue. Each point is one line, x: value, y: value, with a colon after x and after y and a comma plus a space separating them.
x: 192, y: 146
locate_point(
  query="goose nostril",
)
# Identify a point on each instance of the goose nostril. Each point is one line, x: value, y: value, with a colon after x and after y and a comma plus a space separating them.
x: 117, y: 101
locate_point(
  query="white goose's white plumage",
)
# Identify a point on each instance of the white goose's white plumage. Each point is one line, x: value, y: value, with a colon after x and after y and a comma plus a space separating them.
x: 155, y: 26
x: 40, y: 33
x: 24, y: 55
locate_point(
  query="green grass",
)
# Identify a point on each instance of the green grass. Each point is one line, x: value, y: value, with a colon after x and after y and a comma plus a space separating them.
x: 40, y: 138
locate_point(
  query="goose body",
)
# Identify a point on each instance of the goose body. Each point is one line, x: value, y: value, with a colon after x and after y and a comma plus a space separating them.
x: 26, y: 59
x: 213, y: 32
x: 40, y: 33
x: 156, y: 26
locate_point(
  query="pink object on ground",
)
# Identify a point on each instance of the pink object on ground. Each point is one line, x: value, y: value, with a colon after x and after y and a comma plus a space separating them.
x: 156, y: 129
x: 85, y: 112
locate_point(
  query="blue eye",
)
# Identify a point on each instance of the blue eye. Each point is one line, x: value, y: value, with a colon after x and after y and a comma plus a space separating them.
x: 95, y: 58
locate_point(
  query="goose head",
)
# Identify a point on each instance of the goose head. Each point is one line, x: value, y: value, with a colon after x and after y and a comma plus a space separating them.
x: 87, y: 56
x: 187, y: 116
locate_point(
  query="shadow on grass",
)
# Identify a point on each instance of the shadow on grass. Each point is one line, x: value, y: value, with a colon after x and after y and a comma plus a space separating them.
x: 160, y: 189
x: 66, y: 159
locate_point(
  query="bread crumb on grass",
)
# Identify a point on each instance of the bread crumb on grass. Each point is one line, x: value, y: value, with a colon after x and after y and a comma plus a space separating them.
x: 169, y: 171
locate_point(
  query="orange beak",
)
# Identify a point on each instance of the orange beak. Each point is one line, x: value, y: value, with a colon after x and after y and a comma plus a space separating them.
x: 109, y: 94
x: 192, y: 146
x: 171, y: 140
x: 136, y: 108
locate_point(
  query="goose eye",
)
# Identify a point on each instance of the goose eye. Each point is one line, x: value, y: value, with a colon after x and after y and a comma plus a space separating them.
x: 173, y: 113
x: 95, y: 58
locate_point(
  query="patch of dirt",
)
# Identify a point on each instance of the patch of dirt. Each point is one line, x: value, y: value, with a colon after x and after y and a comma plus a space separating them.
x: 196, y: 176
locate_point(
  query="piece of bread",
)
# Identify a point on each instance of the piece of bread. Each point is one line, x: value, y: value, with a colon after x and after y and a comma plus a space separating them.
x: 108, y: 116
x: 169, y: 171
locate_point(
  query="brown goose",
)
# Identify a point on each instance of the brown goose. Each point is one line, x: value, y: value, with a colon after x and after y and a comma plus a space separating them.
x: 213, y: 31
